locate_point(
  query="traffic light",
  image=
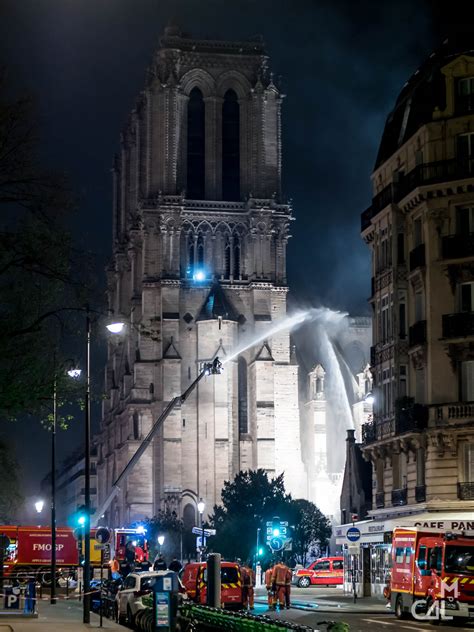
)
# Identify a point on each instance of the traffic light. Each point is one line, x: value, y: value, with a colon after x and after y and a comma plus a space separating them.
x: 80, y: 516
x: 276, y: 527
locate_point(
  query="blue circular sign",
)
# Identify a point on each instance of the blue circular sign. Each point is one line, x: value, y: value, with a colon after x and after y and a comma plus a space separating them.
x: 353, y: 534
x: 276, y: 544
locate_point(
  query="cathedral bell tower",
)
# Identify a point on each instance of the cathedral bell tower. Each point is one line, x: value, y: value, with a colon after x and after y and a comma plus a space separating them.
x: 199, y: 265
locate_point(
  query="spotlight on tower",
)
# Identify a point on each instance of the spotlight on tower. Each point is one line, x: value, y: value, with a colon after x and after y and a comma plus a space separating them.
x: 199, y: 275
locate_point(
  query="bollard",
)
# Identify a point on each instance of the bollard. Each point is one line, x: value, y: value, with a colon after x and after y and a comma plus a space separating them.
x: 214, y: 580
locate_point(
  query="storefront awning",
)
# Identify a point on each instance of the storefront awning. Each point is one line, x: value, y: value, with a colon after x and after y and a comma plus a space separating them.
x: 372, y: 531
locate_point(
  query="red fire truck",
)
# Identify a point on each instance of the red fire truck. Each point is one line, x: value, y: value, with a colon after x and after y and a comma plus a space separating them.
x: 432, y: 574
x: 29, y: 551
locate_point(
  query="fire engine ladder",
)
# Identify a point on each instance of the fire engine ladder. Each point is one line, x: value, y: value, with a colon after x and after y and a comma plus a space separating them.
x: 210, y: 368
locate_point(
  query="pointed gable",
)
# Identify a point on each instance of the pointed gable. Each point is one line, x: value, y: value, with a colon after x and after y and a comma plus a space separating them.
x: 264, y: 353
x: 217, y: 305
x: 171, y: 353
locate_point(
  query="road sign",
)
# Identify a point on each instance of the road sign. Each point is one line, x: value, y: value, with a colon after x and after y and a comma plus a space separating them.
x: 207, y: 532
x: 102, y: 535
x: 353, y: 534
x: 199, y: 542
x: 276, y: 544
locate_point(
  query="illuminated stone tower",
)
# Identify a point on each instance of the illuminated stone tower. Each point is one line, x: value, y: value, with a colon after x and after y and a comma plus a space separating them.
x: 200, y: 233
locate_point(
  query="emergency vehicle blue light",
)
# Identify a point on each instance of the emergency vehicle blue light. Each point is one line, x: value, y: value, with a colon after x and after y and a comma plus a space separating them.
x: 199, y: 275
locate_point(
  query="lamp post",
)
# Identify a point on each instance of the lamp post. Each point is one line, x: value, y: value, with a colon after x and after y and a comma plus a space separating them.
x: 161, y: 539
x: 115, y: 328
x: 53, y: 494
x: 201, y: 506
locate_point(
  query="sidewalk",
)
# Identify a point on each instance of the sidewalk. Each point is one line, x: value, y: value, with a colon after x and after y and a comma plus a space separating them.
x: 65, y: 616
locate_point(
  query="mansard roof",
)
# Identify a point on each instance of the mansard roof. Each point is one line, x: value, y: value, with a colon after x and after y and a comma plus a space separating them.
x: 421, y: 94
x: 217, y: 305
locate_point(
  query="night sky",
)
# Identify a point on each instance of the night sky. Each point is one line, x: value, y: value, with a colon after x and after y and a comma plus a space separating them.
x: 342, y: 66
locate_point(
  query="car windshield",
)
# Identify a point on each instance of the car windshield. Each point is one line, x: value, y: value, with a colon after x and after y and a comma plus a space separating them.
x: 459, y: 559
x: 148, y: 583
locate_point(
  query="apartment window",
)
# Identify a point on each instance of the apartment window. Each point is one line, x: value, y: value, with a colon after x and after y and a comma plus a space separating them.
x: 379, y: 467
x: 420, y: 466
x: 467, y: 463
x: 402, y: 381
x: 465, y: 100
x: 466, y: 297
x: 417, y: 232
x: 419, y: 307
x: 467, y: 381
x: 402, y: 317
x: 465, y: 220
x: 387, y: 392
x: 385, y: 318
x: 420, y: 386
x: 465, y: 147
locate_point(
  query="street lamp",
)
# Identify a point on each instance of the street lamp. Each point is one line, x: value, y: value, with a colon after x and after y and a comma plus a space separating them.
x: 201, y: 506
x: 161, y: 539
x: 115, y: 327
x: 39, y: 504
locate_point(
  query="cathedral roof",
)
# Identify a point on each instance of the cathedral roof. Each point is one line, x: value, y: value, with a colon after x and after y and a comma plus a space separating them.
x: 217, y: 305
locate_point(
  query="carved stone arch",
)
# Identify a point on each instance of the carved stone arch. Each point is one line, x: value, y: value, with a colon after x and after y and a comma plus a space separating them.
x: 233, y: 80
x: 204, y: 226
x: 224, y: 227
x: 198, y: 78
x: 239, y: 229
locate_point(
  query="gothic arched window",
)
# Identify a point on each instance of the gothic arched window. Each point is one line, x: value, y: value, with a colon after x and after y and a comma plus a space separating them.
x: 136, y: 426
x: 230, y: 147
x: 190, y: 252
x: 243, y: 406
x: 200, y: 250
x: 236, y: 261
x: 227, y: 257
x: 196, y: 146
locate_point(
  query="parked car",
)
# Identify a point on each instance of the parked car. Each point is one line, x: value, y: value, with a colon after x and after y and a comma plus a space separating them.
x: 129, y: 599
x: 326, y: 571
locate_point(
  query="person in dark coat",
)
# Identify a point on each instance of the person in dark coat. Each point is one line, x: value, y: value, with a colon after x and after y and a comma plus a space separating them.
x: 175, y: 566
x: 159, y: 564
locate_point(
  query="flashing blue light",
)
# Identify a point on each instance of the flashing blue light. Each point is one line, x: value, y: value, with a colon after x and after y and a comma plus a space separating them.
x: 199, y: 275
x: 276, y: 532
x: 81, y: 520
x: 141, y: 529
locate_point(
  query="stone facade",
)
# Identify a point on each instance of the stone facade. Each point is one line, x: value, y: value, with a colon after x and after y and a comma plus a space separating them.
x: 420, y: 230
x: 199, y: 266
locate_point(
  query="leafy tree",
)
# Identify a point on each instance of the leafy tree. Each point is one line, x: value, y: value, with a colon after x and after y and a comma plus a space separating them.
x: 247, y: 503
x: 10, y: 496
x: 312, y: 529
x: 39, y: 265
x: 168, y: 524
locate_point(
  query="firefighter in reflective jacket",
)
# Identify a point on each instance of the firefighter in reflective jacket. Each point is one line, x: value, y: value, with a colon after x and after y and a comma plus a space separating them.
x: 281, y: 581
x: 248, y: 579
x: 269, y: 587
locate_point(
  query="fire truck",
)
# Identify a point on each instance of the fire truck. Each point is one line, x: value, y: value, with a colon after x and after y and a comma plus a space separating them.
x: 432, y: 574
x: 29, y: 550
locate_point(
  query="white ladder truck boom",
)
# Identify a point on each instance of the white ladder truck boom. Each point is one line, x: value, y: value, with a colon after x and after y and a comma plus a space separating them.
x: 209, y: 368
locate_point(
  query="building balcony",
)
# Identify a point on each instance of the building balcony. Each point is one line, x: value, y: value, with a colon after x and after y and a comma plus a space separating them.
x: 417, y: 334
x: 420, y: 493
x: 380, y: 500
x: 466, y: 491
x: 458, y: 325
x: 417, y: 257
x: 458, y: 246
x: 399, y: 497
x: 452, y: 413
x: 422, y: 175
x: 411, y: 418
x: 369, y: 434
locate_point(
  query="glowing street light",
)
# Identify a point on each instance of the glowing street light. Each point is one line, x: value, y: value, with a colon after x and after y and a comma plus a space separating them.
x: 39, y: 504
x: 201, y: 506
x: 74, y: 373
x: 116, y: 327
x: 369, y: 398
x: 161, y: 540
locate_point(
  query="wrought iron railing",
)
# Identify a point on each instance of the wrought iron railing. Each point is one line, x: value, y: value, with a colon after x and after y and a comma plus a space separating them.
x: 417, y: 334
x: 417, y: 257
x: 399, y: 497
x: 458, y: 246
x: 466, y: 491
x: 413, y: 418
x: 458, y: 325
x: 369, y: 434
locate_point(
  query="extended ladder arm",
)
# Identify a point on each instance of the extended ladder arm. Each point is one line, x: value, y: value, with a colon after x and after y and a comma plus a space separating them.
x: 210, y: 368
